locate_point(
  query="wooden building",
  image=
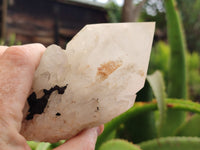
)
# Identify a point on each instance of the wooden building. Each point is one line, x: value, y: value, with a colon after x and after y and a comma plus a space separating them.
x: 47, y: 21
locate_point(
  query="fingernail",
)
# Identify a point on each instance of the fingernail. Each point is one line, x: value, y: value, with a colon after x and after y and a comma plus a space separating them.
x: 100, y: 129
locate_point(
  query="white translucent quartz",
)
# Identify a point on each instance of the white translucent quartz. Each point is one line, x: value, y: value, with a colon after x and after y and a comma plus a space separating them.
x: 104, y: 66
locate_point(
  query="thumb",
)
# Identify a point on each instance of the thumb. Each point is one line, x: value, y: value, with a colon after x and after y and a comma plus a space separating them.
x: 86, y: 140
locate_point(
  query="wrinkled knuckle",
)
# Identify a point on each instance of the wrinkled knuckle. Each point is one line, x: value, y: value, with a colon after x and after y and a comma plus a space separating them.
x: 18, y: 55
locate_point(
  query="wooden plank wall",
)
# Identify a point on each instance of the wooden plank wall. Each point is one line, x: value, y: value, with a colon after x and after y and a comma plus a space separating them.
x: 49, y: 21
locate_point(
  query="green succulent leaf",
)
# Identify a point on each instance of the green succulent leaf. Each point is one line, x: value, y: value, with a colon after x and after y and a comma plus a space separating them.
x: 172, y: 143
x: 157, y: 84
x: 43, y: 146
x: 190, y: 127
x: 32, y: 144
x: 177, y: 66
x: 118, y: 144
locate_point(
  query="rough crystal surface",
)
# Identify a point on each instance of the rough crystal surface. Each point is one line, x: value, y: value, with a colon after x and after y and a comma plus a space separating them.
x: 103, y: 66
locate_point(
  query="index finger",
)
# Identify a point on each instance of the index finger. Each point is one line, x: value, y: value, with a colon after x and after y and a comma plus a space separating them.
x: 2, y: 49
x: 17, y: 67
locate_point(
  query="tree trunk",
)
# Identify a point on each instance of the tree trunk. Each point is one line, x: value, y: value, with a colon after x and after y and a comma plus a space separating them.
x: 127, y: 11
x: 131, y: 12
x: 137, y: 10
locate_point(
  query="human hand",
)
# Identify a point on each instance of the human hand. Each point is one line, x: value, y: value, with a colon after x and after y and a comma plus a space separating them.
x: 17, y: 67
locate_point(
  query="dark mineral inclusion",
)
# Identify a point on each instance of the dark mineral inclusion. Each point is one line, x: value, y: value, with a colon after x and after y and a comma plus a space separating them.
x: 37, y: 106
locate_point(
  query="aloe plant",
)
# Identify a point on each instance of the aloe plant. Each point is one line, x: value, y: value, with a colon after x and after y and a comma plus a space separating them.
x: 145, y: 107
x: 43, y: 146
x: 172, y: 143
x: 177, y: 66
x: 190, y: 127
x: 118, y: 144
x: 158, y: 86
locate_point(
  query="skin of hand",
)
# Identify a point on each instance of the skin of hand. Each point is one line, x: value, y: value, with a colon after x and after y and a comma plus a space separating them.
x: 17, y: 67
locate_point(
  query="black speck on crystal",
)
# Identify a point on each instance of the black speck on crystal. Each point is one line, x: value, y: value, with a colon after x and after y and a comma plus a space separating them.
x: 37, y: 106
x: 58, y: 114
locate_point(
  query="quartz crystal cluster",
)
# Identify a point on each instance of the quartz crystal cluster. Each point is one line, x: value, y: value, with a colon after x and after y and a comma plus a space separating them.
x: 94, y: 80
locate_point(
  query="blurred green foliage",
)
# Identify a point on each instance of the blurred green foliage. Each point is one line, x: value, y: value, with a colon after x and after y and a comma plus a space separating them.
x: 190, y: 13
x: 12, y: 40
x: 159, y: 60
x: 114, y: 11
x: 159, y: 18
x: 193, y: 62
